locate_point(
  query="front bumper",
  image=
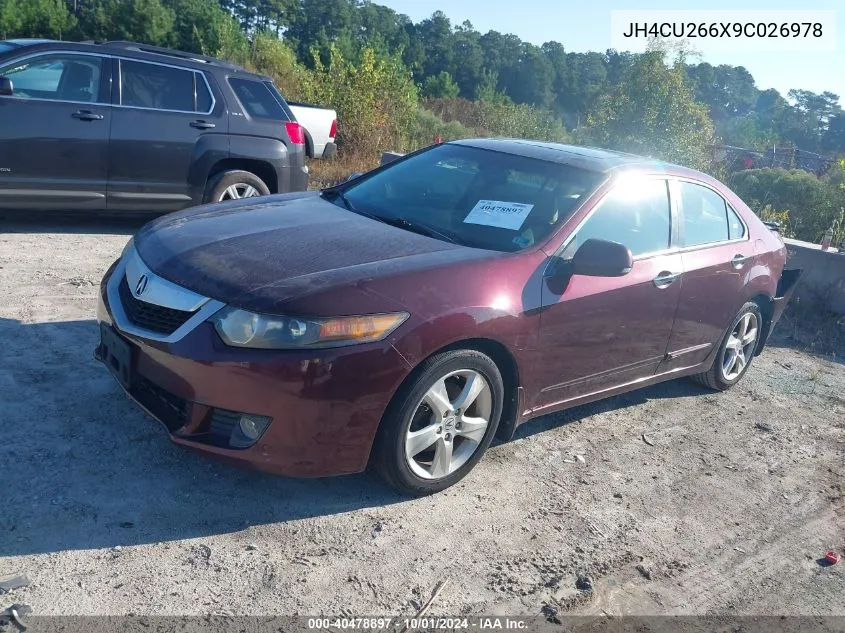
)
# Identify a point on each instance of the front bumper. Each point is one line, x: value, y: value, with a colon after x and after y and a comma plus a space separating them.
x: 325, y: 405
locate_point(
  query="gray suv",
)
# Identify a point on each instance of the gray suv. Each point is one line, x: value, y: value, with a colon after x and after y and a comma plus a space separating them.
x: 124, y: 127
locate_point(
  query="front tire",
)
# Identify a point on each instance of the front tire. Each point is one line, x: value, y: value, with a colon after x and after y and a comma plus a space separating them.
x: 234, y: 185
x: 439, y: 423
x: 736, y: 350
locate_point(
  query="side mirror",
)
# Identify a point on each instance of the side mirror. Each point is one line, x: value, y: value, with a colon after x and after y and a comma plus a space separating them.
x: 6, y: 87
x: 599, y: 258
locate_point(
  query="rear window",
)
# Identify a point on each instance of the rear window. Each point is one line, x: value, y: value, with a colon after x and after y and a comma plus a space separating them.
x: 257, y: 99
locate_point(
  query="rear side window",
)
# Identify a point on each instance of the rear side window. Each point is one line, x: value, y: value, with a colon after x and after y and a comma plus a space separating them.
x: 156, y: 87
x: 704, y: 215
x: 257, y: 99
x: 635, y: 214
x: 736, y: 229
x: 204, y: 99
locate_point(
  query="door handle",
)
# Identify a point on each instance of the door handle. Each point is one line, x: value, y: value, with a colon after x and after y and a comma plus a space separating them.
x: 202, y: 125
x: 665, y: 279
x: 739, y: 260
x: 87, y: 115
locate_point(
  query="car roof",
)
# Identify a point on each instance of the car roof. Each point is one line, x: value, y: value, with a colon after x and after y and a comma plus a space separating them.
x: 589, y: 158
x: 134, y: 50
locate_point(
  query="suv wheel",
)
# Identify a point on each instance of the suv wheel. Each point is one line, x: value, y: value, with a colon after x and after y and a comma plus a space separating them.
x: 234, y: 185
x: 736, y: 351
x: 440, y: 422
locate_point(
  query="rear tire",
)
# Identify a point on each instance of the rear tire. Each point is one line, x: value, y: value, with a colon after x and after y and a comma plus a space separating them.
x: 439, y: 423
x: 234, y: 185
x: 736, y: 350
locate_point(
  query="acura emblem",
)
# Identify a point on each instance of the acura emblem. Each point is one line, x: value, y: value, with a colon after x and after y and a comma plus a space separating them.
x: 141, y: 286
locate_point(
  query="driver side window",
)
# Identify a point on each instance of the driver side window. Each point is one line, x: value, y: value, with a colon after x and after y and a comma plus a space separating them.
x: 635, y: 213
x: 62, y: 77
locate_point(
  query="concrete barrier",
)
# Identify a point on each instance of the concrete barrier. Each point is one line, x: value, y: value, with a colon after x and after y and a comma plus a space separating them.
x: 823, y: 279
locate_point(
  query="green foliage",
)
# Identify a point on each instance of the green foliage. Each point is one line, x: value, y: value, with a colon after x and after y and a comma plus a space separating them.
x: 653, y: 112
x: 204, y: 27
x: 813, y: 203
x: 427, y: 126
x: 769, y: 214
x: 272, y: 57
x: 147, y: 21
x: 35, y: 18
x: 376, y: 99
x: 500, y: 119
x: 440, y: 86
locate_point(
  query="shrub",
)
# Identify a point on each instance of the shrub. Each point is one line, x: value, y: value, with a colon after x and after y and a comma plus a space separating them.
x: 500, y: 119
x: 427, y: 125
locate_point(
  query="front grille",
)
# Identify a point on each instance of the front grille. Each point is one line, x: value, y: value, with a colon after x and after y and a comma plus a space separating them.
x: 150, y: 316
x: 165, y: 406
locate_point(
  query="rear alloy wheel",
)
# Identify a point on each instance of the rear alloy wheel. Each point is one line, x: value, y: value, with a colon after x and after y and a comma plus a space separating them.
x: 440, y: 422
x: 740, y: 346
x: 736, y: 351
x: 235, y: 185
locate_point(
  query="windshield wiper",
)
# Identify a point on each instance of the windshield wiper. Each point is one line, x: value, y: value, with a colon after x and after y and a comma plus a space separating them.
x: 402, y: 223
x: 416, y: 227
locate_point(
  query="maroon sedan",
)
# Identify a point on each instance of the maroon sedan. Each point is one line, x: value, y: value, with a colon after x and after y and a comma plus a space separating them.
x: 405, y: 318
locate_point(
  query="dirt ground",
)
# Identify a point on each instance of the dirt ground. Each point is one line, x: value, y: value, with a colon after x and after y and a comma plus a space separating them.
x: 727, y: 510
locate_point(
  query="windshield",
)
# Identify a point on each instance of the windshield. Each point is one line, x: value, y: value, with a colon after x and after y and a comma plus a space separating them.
x: 475, y: 197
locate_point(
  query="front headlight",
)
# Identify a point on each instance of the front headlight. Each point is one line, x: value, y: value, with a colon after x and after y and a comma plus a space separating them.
x: 240, y: 328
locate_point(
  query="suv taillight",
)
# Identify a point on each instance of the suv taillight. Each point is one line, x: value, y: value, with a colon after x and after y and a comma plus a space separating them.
x: 297, y: 136
x: 333, y: 131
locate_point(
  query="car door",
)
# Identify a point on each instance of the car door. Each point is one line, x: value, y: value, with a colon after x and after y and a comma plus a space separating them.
x: 597, y: 333
x: 54, y: 138
x: 166, y: 115
x: 717, y: 255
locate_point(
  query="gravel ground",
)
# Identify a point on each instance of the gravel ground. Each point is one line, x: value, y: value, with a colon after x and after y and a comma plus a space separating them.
x: 726, y: 509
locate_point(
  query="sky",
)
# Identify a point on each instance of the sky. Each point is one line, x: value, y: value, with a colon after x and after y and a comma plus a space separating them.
x: 585, y: 26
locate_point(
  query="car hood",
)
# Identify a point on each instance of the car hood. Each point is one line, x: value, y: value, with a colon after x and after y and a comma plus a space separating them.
x: 259, y: 254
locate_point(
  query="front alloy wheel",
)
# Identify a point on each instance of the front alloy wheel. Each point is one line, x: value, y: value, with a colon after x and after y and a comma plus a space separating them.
x: 449, y: 424
x: 440, y: 422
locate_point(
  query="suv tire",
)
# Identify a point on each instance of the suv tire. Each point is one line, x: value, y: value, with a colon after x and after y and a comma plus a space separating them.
x: 234, y: 185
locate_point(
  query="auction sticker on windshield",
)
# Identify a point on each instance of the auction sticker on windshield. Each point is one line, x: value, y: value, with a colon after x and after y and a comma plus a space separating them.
x: 503, y: 215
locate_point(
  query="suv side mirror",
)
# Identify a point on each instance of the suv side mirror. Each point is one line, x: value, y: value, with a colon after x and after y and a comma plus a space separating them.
x: 600, y: 258
x: 6, y: 87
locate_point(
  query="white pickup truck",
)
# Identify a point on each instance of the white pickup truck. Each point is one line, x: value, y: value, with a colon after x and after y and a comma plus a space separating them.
x: 320, y: 126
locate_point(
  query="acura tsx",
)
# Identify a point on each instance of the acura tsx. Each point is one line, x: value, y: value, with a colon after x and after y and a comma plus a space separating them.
x: 405, y: 318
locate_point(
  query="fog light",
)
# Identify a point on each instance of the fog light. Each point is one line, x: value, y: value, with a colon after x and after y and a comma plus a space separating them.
x: 248, y: 430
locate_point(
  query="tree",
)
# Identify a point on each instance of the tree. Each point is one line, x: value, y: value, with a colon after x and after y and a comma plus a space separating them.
x: 653, y: 112
x: 440, y: 86
x: 531, y: 79
x: 147, y: 21
x: 468, y: 58
x: 35, y: 18
x: 436, y: 33
x: 201, y: 26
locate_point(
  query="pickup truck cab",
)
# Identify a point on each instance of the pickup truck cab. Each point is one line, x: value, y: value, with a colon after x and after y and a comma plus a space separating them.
x: 320, y: 126
x: 126, y: 127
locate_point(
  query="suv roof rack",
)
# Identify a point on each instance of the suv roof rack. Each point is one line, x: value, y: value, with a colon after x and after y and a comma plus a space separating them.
x: 169, y: 52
